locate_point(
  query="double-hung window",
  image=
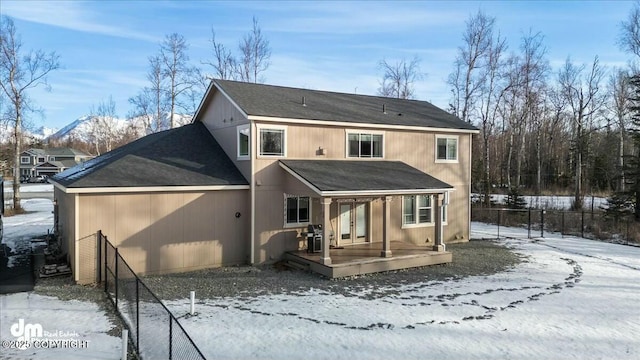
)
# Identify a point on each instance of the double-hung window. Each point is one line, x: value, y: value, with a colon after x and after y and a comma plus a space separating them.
x: 297, y: 210
x: 243, y: 142
x: 417, y: 210
x: 365, y: 145
x: 446, y: 148
x: 25, y: 160
x: 273, y: 141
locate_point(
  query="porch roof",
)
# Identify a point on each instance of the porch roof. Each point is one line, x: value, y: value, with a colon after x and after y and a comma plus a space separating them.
x: 362, y: 177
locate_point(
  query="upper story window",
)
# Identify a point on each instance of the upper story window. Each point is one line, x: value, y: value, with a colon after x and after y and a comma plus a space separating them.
x: 273, y: 141
x: 243, y: 142
x: 41, y: 159
x: 365, y: 145
x: 25, y: 160
x: 446, y: 148
x: 52, y: 158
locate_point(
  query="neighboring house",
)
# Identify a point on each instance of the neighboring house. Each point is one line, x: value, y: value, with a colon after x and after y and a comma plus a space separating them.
x: 387, y: 179
x: 35, y: 162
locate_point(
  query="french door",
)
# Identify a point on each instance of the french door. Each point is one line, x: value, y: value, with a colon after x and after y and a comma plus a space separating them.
x: 354, y: 223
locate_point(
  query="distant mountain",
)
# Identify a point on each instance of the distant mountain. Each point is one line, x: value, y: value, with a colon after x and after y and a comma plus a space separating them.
x: 84, y: 129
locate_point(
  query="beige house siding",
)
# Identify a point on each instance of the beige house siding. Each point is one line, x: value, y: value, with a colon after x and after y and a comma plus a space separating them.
x: 161, y: 232
x: 416, y: 148
x: 66, y: 221
x: 222, y: 120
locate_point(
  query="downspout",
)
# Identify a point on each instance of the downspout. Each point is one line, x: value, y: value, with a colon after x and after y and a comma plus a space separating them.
x: 252, y: 186
x: 76, y: 231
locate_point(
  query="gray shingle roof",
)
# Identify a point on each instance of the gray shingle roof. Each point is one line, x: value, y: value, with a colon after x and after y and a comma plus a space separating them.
x: 286, y: 102
x: 184, y: 156
x: 363, y: 176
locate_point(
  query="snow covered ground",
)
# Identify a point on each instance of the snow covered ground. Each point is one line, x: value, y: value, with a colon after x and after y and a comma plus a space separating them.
x: 572, y: 299
x: 556, y: 202
x: 81, y: 326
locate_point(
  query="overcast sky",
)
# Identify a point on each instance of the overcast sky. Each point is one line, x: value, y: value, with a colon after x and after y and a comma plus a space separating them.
x: 324, y: 45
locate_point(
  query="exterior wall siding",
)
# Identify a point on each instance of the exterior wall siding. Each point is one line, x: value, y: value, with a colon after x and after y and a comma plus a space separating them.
x: 222, y: 119
x: 170, y: 232
x: 416, y: 148
x: 66, y: 222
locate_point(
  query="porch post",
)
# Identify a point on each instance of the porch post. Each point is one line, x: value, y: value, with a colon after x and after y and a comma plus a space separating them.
x: 438, y: 244
x: 325, y: 258
x: 386, y: 238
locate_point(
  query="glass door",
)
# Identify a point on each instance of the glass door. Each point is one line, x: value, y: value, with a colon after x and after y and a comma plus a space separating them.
x: 353, y: 223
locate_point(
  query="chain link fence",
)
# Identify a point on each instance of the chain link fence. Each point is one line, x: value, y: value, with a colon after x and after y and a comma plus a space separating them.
x: 587, y: 224
x: 153, y: 330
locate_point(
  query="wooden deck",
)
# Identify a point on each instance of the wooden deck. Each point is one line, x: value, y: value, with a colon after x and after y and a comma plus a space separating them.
x: 365, y: 259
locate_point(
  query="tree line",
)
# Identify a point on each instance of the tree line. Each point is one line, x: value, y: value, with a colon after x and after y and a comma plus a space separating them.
x: 541, y: 129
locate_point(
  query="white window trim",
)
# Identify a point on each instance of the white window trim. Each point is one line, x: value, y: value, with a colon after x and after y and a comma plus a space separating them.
x: 417, y: 214
x: 296, y: 224
x: 22, y: 158
x: 239, y: 129
x: 261, y: 127
x: 445, y: 207
x: 457, y: 139
x: 368, y: 132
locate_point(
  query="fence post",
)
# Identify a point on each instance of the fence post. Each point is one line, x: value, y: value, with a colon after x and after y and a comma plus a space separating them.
x: 106, y: 275
x: 542, y: 223
x: 137, y: 313
x: 562, y: 224
x: 529, y: 225
x: 582, y: 225
x: 170, y: 338
x: 99, y: 256
x: 499, y: 219
x: 116, y: 279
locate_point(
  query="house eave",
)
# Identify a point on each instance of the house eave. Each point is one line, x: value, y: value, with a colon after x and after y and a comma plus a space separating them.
x: 145, y: 189
x: 358, y: 125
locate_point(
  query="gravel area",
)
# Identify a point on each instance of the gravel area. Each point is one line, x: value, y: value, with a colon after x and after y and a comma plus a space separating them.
x: 469, y: 259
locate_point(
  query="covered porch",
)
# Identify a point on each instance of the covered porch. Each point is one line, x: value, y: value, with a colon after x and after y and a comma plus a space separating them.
x: 342, y: 186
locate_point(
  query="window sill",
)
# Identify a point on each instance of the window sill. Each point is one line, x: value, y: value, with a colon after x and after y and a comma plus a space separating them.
x: 296, y: 225
x: 242, y: 158
x: 442, y: 161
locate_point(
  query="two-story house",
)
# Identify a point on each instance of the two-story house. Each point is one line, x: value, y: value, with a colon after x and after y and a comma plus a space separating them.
x: 48, y: 162
x: 388, y: 181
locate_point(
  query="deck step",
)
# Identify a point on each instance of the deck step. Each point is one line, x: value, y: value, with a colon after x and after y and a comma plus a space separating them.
x: 293, y: 264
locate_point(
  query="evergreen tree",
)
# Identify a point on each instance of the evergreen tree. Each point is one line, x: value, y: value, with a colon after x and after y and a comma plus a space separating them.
x: 632, y: 163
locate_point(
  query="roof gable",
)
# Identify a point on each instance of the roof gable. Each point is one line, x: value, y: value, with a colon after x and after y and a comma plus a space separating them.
x: 304, y: 104
x: 184, y: 156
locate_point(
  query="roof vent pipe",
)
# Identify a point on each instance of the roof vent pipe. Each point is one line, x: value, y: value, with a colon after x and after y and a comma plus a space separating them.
x: 304, y: 101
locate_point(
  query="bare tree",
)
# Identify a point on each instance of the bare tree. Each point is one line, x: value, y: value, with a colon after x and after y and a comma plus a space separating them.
x: 150, y: 104
x: 629, y: 37
x: 224, y: 63
x: 255, y: 54
x: 492, y: 90
x: 619, y: 105
x: 466, y: 81
x: 19, y: 72
x: 584, y: 98
x: 399, y: 78
x: 176, y: 68
x: 103, y: 130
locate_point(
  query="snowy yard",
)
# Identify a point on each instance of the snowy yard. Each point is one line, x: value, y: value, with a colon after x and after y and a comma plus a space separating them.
x: 64, y: 323
x: 572, y: 299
